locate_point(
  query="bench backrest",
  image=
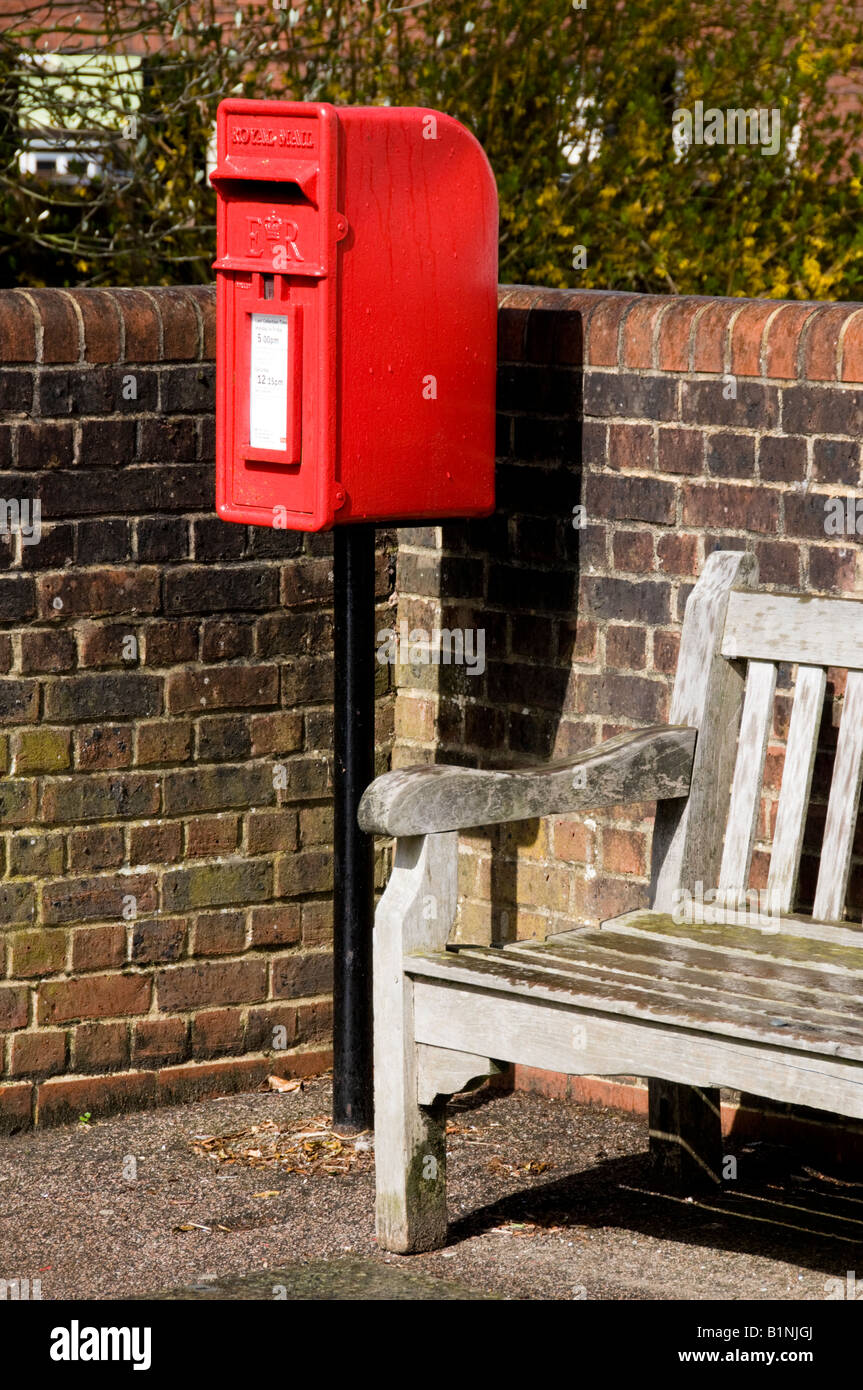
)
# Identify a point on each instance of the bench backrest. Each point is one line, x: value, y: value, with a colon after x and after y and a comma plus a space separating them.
x: 733, y: 640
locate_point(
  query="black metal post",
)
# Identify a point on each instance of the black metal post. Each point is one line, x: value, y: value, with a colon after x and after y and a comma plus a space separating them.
x: 353, y: 895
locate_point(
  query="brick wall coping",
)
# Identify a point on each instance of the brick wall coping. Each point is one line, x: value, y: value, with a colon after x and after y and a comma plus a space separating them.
x: 778, y: 339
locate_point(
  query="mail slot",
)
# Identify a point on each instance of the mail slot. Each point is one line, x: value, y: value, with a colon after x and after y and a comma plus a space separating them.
x: 356, y: 278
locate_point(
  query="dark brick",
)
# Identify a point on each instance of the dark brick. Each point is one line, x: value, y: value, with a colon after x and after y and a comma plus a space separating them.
x: 72, y: 799
x: 160, y: 941
x: 100, y: 1047
x: 98, y: 899
x: 107, y: 443
x: 105, y: 541
x: 753, y: 406
x: 56, y: 549
x: 822, y: 410
x: 730, y: 455
x: 17, y: 598
x: 167, y: 643
x: 16, y: 391
x: 296, y: 976
x: 215, y: 539
x: 156, y: 1041
x: 224, y: 739
x: 218, y: 788
x: 161, y: 538
x: 630, y: 499
x: 107, y: 696
x: 45, y: 446
x: 216, y: 885
x: 782, y: 459
x: 223, y: 639
x: 186, y: 390
x: 837, y: 461
x: 630, y: 395
x: 624, y: 600
x: 197, y: 589
x: 167, y: 441
x: 19, y: 700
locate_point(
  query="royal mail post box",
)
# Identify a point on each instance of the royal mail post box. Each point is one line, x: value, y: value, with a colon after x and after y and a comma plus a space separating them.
x: 357, y: 311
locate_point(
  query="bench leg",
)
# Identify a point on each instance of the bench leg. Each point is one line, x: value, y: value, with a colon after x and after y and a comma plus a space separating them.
x: 416, y: 912
x: 410, y: 1168
x: 685, y: 1133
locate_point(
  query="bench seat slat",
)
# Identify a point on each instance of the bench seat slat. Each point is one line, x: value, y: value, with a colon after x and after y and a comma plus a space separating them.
x: 707, y: 971
x: 491, y: 969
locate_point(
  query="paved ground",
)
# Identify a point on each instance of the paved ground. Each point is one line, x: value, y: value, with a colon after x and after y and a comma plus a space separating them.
x: 548, y: 1200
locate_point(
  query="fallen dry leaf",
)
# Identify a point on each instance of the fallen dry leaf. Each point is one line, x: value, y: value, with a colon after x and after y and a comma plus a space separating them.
x: 277, y: 1083
x: 315, y: 1148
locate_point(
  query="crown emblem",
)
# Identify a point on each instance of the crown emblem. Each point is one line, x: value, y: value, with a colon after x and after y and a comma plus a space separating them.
x: 272, y: 226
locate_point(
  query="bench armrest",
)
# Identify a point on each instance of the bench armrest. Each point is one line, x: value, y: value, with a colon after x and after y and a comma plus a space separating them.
x: 647, y: 765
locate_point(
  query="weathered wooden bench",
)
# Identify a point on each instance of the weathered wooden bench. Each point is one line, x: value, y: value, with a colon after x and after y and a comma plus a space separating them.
x: 771, y: 1006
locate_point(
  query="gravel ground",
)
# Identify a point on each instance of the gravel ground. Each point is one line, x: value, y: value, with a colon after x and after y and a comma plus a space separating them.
x: 586, y: 1219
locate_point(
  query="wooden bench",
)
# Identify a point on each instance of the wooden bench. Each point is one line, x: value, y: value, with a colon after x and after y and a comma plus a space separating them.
x: 771, y: 1007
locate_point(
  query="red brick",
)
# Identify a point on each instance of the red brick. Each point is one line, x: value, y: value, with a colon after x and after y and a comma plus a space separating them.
x: 222, y: 687
x: 94, y: 996
x: 630, y: 447
x: 165, y: 741
x: 141, y: 325
x: 60, y: 330
x: 64, y: 1099
x: 279, y: 925
x: 852, y: 348
x: 17, y: 328
x: 99, y: 848
x: 195, y: 986
x: 16, y: 1102
x: 641, y: 326
x: 220, y: 933
x: 676, y: 333
x: 102, y: 324
x: 180, y: 332
x: 205, y: 298
x: 821, y: 338
x: 103, y: 746
x: 678, y: 554
x: 624, y: 851
x: 101, y: 897
x: 271, y: 830
x: 37, y: 1054
x: 98, y: 948
x: 156, y: 1041
x: 100, y: 1047
x: 158, y: 843
x: 212, y: 835
x: 276, y: 733
x: 633, y: 551
x: 217, y: 1031
x: 783, y: 341
x: 747, y: 333
x: 711, y: 334
x: 603, y: 329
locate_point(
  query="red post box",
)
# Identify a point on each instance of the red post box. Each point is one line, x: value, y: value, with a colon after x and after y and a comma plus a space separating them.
x: 356, y: 281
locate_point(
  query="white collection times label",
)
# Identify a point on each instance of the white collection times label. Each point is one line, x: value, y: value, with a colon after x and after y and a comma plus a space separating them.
x: 268, y: 394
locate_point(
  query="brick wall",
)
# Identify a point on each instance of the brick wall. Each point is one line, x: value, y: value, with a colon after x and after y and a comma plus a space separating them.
x: 165, y: 679
x: 165, y: 728
x: 680, y: 425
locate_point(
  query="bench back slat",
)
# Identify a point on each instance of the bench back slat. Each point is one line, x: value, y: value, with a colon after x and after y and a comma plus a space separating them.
x: 755, y: 724
x: 842, y: 805
x: 796, y: 785
x: 794, y: 628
